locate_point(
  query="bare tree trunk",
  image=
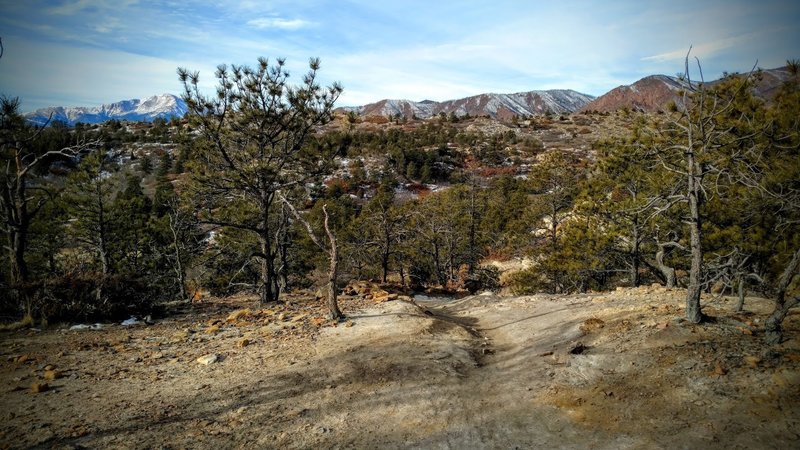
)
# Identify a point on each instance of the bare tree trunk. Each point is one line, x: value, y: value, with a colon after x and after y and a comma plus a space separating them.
x: 333, y: 274
x: 180, y: 273
x: 740, y: 303
x: 473, y: 253
x: 283, y: 250
x: 105, y: 257
x: 772, y: 327
x: 694, y: 313
x: 19, y: 268
x: 269, y: 290
x: 635, y: 255
x: 438, y: 265
x: 331, y: 250
x: 385, y: 261
x: 667, y: 271
x: 18, y: 220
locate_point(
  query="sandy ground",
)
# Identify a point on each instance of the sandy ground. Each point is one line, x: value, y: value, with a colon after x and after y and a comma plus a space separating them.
x: 613, y: 370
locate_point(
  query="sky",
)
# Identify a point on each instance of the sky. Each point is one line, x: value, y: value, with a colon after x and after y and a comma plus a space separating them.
x: 90, y: 52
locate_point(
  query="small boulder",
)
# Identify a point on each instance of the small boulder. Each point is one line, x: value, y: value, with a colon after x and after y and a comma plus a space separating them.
x: 208, y: 359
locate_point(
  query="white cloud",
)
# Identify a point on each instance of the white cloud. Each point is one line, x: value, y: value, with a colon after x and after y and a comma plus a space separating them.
x: 703, y: 50
x: 279, y: 23
x: 110, y: 24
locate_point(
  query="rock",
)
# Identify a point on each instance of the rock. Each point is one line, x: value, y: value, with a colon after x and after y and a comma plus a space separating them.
x: 52, y: 375
x: 592, y: 324
x: 238, y: 315
x: 131, y: 322
x: 23, y: 358
x: 39, y: 387
x: 208, y: 359
x: 786, y: 378
x: 752, y: 361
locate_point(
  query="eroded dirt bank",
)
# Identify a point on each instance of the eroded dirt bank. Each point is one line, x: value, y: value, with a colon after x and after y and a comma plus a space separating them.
x: 612, y: 370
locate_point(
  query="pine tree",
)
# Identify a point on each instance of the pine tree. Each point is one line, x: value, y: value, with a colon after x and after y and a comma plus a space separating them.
x: 253, y: 132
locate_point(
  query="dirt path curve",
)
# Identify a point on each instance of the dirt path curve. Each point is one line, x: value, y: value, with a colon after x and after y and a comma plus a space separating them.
x: 517, y: 347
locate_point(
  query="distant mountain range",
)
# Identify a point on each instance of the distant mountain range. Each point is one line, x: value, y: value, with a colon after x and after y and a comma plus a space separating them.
x: 650, y: 94
x: 164, y: 106
x: 500, y: 106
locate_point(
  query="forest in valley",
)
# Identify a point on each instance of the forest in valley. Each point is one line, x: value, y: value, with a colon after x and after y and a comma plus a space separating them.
x: 265, y: 188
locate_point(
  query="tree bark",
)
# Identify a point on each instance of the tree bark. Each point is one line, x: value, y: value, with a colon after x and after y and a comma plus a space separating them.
x: 740, y: 302
x: 269, y: 291
x: 102, y: 247
x: 694, y: 312
x: 180, y: 272
x: 635, y: 254
x: 333, y: 273
x: 772, y: 327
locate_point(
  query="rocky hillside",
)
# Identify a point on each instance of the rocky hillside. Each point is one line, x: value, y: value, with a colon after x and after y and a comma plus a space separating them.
x: 652, y: 93
x: 649, y: 94
x: 500, y: 106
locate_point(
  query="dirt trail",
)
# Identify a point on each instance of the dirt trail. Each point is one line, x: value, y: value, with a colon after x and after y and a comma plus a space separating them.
x: 601, y: 371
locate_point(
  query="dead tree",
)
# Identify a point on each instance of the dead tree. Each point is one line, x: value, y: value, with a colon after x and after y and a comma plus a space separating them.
x: 772, y: 327
x: 663, y: 249
x: 693, y: 145
x: 333, y: 255
x: 21, y: 199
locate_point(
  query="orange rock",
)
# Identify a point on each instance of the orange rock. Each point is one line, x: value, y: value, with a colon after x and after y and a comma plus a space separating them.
x: 238, y: 315
x: 39, y: 387
x: 52, y: 375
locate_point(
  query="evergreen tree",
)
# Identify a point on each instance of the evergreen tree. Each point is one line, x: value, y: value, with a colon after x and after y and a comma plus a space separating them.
x: 254, y: 131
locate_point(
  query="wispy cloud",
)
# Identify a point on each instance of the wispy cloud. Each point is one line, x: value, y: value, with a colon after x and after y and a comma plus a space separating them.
x: 702, y: 50
x: 108, y: 25
x: 279, y: 23
x: 71, y: 7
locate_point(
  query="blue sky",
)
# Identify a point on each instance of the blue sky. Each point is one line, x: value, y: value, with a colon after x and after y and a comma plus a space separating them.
x: 88, y: 52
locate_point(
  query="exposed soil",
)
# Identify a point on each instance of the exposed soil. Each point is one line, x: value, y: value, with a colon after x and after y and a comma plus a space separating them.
x: 613, y: 370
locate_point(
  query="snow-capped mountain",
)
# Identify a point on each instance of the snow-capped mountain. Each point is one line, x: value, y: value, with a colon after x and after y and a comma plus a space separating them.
x: 165, y: 106
x: 502, y: 106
